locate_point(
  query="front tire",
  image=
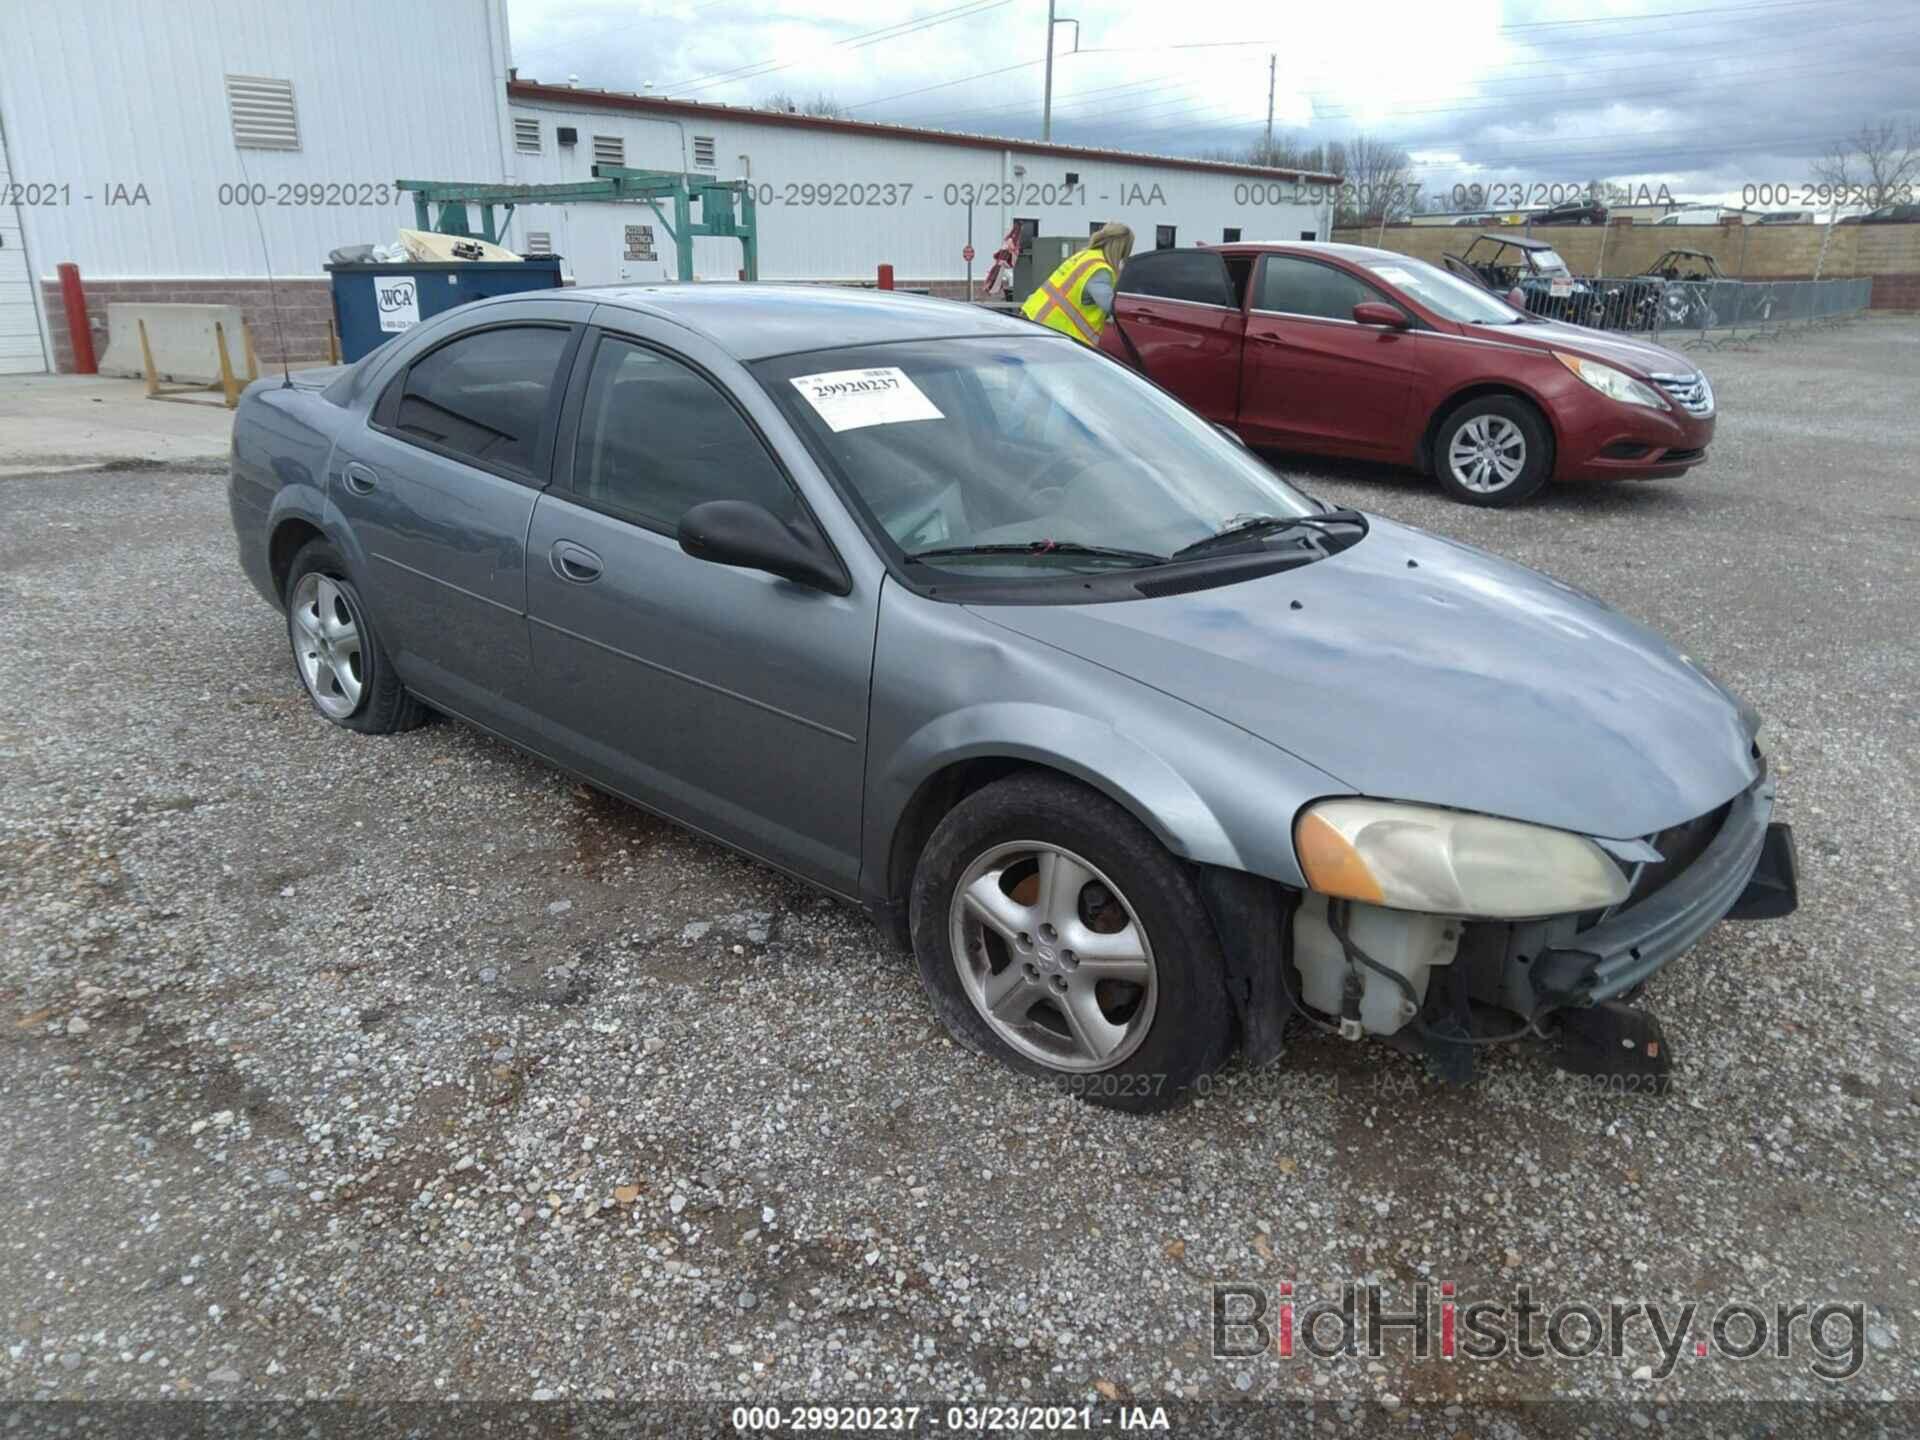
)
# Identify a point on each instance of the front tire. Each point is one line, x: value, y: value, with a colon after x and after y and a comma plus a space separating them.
x: 1057, y: 935
x: 336, y: 654
x: 1494, y: 451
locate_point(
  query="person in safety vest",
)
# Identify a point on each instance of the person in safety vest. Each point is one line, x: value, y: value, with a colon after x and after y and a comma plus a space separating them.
x: 1078, y: 297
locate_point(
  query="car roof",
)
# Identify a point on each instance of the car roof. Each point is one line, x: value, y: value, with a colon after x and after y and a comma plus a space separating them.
x: 1519, y: 242
x: 1359, y: 253
x: 752, y: 321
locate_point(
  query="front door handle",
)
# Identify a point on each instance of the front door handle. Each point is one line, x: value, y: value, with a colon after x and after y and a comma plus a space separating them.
x: 360, y: 480
x: 574, y: 562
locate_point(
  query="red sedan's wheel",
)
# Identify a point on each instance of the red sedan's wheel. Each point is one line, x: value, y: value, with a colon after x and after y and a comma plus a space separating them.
x: 1493, y: 451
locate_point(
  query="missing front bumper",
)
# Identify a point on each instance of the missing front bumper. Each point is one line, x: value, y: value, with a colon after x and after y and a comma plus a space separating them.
x: 1748, y: 871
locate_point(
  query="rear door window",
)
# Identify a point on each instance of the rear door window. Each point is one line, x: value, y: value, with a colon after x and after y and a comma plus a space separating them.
x: 1290, y: 286
x: 485, y: 397
x: 1196, y: 275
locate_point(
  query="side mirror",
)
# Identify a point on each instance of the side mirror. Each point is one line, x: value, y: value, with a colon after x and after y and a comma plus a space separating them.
x: 738, y: 532
x: 1517, y: 298
x: 1373, y: 312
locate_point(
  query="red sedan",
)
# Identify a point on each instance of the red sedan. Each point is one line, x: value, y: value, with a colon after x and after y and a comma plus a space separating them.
x: 1347, y: 350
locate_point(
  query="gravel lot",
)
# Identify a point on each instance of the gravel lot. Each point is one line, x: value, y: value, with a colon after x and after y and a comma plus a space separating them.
x: 409, y: 1068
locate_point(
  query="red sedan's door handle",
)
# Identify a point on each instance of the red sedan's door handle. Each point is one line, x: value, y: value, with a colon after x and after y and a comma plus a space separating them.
x: 574, y: 562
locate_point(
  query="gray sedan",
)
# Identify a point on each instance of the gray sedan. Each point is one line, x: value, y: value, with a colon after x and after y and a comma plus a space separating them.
x: 1143, y: 751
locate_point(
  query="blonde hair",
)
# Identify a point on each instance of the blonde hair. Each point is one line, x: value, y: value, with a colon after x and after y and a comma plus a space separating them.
x: 1114, y: 241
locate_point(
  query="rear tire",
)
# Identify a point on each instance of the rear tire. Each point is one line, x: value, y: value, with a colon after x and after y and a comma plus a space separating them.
x: 1057, y: 935
x: 336, y: 653
x: 1493, y: 451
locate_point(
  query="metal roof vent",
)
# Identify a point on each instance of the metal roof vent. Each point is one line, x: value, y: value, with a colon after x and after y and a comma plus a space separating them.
x: 262, y: 113
x: 703, y: 152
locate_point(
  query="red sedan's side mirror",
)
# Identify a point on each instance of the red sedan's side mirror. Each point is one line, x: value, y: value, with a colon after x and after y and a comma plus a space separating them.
x: 1517, y: 298
x: 1373, y: 312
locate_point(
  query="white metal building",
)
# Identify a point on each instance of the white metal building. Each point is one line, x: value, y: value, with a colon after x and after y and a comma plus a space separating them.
x: 835, y: 199
x: 186, y: 152
x: 154, y: 145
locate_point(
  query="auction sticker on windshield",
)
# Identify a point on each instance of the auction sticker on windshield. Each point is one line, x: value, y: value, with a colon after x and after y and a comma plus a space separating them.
x: 854, y: 399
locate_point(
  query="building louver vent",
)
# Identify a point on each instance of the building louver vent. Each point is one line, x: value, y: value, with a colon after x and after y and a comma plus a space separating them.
x: 703, y: 151
x: 526, y: 135
x: 263, y: 114
x: 539, y: 242
x: 609, y: 150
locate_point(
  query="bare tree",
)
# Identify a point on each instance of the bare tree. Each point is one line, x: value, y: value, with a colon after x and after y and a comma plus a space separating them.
x: 1380, y: 184
x: 1876, y: 161
x: 787, y: 103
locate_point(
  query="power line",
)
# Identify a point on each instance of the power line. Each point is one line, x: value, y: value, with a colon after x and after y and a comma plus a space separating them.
x: 1610, y: 92
x: 896, y: 31
x: 1491, y: 88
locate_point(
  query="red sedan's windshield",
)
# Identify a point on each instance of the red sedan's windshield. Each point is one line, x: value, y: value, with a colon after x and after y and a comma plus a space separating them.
x: 1445, y: 294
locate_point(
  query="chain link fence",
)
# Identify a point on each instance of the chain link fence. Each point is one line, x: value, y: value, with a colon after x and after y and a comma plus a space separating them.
x: 1701, y: 313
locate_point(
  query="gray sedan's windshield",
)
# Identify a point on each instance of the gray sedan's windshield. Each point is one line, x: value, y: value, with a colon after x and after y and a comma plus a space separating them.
x: 1031, y: 453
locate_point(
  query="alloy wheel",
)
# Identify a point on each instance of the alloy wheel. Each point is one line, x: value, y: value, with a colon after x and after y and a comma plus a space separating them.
x: 1487, y: 454
x: 1053, y: 956
x: 327, y: 644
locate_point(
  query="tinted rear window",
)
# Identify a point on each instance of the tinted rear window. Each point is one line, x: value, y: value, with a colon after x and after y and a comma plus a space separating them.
x: 484, y: 396
x: 1197, y: 275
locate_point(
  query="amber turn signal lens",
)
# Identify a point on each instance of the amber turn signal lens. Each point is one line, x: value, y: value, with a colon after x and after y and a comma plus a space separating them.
x: 1332, y: 866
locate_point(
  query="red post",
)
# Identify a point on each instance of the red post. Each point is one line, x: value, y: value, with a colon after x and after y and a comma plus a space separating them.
x: 74, y: 299
x: 886, y: 277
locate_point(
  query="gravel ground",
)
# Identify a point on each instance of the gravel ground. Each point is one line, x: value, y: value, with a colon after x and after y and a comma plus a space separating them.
x: 409, y: 1068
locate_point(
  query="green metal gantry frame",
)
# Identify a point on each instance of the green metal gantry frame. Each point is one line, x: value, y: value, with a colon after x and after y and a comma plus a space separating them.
x: 726, y: 207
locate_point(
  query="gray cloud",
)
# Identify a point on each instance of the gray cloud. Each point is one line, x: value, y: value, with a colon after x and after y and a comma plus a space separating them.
x: 1703, y: 96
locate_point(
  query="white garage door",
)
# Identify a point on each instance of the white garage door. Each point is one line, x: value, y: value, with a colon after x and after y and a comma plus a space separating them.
x: 20, y: 349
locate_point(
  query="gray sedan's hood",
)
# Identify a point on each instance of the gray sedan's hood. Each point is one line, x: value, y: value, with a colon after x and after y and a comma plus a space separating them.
x: 1459, y: 680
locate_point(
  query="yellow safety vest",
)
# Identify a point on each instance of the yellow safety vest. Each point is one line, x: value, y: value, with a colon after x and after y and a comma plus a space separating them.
x: 1061, y: 301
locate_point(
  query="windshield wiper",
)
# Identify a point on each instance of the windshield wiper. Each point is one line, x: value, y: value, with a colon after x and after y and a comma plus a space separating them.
x: 1260, y: 525
x: 1042, y: 548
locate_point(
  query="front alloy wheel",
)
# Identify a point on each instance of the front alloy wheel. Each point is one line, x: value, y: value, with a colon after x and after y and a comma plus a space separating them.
x: 1056, y: 934
x: 1052, y: 956
x: 1488, y: 454
x: 1494, y: 450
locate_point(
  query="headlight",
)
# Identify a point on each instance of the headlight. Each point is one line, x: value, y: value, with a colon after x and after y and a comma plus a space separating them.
x: 1612, y: 383
x: 1447, y: 862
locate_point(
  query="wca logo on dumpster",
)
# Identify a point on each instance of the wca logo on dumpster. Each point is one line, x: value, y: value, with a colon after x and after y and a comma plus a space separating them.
x: 399, y: 302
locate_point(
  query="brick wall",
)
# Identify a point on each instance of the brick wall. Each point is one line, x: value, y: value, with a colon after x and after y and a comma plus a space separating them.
x: 305, y: 308
x: 1888, y: 253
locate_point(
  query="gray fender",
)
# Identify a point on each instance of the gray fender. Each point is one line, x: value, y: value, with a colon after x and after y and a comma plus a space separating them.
x: 1088, y: 749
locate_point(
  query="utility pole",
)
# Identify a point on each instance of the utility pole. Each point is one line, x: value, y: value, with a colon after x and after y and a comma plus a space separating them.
x: 1046, y: 110
x: 1046, y: 106
x: 1267, y: 159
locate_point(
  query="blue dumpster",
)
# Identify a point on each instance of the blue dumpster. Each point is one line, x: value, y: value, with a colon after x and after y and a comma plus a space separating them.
x: 374, y: 302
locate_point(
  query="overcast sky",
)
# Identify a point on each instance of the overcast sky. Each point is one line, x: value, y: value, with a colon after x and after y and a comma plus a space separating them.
x: 1703, y: 96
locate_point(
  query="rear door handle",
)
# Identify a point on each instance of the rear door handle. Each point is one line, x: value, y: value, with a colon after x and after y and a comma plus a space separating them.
x: 360, y: 480
x: 574, y: 562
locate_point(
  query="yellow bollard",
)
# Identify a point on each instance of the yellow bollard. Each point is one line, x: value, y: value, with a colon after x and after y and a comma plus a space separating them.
x: 229, y: 387
x: 146, y: 361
